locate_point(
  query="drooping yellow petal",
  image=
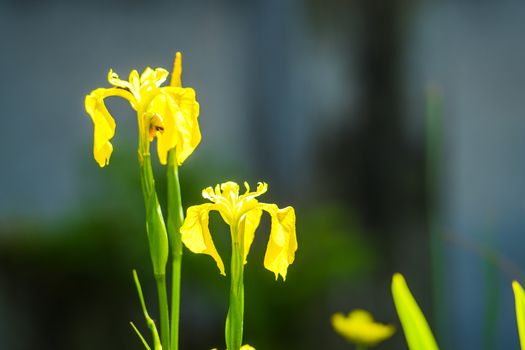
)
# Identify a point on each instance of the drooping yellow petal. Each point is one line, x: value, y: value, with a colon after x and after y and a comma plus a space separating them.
x: 104, y: 131
x: 249, y: 223
x: 180, y: 111
x: 196, y: 234
x: 188, y: 127
x: 188, y: 131
x: 415, y: 326
x: 519, y: 298
x: 282, y: 244
x: 359, y: 328
x: 103, y: 122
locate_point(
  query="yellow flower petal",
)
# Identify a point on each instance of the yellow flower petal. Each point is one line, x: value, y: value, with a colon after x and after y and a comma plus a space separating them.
x: 262, y: 187
x: 134, y: 80
x: 282, y: 244
x: 188, y: 127
x: 114, y: 80
x: 247, y: 227
x: 180, y: 111
x: 196, y: 234
x: 166, y: 107
x: 103, y: 121
x: 359, y: 327
x: 188, y: 134
x: 152, y: 77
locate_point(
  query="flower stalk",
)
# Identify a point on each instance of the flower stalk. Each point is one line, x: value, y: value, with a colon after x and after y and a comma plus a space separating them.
x: 235, y: 317
x: 158, y: 242
x: 242, y: 213
x: 175, y: 219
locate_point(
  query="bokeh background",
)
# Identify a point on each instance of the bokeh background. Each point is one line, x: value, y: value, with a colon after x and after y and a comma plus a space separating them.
x: 395, y: 128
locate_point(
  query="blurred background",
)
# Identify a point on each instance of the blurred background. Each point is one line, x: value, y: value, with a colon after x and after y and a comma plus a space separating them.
x: 395, y: 128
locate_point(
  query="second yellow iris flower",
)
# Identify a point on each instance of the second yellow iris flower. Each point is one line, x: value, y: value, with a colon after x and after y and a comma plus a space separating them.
x: 243, y: 214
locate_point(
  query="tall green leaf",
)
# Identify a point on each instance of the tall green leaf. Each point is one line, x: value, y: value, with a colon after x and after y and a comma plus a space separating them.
x: 415, y: 326
x: 519, y: 297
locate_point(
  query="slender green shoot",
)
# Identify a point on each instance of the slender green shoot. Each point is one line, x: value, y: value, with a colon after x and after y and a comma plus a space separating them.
x: 415, y: 326
x: 140, y: 336
x: 149, y: 321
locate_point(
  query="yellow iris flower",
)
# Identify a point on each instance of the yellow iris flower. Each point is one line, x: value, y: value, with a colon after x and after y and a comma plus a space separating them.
x: 244, y: 347
x: 359, y: 328
x: 168, y: 112
x: 242, y: 213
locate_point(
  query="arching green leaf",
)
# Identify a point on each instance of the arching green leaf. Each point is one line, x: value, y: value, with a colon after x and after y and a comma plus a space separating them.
x: 415, y: 326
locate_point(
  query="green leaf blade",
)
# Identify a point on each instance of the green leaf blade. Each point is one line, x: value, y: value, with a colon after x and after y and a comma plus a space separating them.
x: 519, y: 297
x: 415, y: 326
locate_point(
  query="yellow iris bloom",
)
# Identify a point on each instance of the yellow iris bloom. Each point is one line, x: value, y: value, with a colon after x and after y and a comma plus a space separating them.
x: 170, y: 113
x: 359, y: 328
x: 242, y: 213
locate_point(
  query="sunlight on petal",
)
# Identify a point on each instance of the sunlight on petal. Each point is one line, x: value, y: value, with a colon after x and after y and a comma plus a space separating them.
x: 196, y: 234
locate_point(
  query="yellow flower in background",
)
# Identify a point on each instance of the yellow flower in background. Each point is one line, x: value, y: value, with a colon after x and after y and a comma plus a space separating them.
x: 170, y: 113
x: 359, y: 328
x: 244, y: 347
x: 242, y: 213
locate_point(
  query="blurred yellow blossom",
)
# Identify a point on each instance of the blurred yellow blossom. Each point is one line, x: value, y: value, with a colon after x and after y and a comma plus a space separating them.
x: 244, y: 347
x: 359, y: 328
x: 168, y: 112
x: 242, y: 213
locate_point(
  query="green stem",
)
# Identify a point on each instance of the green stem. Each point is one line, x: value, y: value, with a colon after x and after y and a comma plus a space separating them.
x: 157, y: 240
x: 175, y: 219
x: 163, y: 309
x: 360, y: 347
x: 235, y: 318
